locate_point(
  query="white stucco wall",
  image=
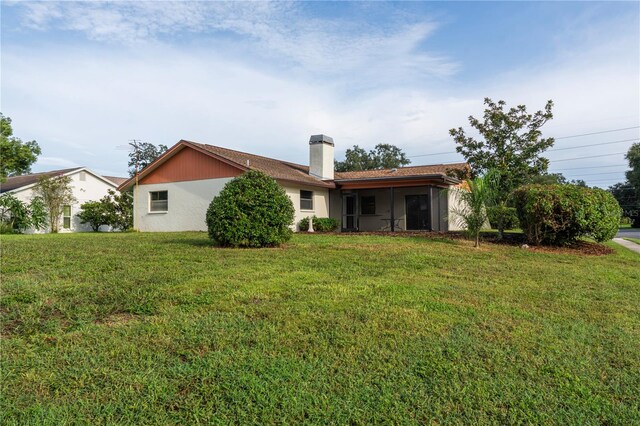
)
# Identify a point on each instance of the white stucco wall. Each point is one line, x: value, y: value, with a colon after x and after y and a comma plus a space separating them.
x: 91, y: 189
x: 454, y: 204
x: 320, y: 202
x: 188, y: 203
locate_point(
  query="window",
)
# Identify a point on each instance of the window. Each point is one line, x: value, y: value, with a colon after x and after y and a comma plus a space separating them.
x: 66, y: 217
x: 306, y: 200
x: 368, y: 205
x: 159, y: 201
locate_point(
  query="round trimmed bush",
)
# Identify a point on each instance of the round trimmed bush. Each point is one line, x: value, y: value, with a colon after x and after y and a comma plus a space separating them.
x: 252, y: 210
x: 560, y: 214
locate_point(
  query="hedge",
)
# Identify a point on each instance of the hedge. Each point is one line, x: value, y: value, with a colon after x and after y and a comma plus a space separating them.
x: 320, y: 224
x: 252, y: 210
x: 561, y: 214
x: 509, y: 216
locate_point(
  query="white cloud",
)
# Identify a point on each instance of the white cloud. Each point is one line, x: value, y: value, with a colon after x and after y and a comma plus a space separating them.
x: 268, y: 29
x: 78, y: 101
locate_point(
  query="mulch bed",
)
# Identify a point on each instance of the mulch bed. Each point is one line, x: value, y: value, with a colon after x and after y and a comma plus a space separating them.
x: 584, y: 248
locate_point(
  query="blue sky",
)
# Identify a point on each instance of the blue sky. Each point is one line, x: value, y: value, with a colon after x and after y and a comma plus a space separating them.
x: 84, y: 78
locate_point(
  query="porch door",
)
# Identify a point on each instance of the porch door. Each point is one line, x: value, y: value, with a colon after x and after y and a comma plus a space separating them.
x: 417, y: 209
x: 350, y: 212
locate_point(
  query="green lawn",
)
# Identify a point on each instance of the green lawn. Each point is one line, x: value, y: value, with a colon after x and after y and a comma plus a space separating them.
x: 633, y: 240
x: 164, y: 329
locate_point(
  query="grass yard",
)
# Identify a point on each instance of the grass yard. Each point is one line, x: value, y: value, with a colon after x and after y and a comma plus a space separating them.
x: 164, y: 329
x: 633, y: 240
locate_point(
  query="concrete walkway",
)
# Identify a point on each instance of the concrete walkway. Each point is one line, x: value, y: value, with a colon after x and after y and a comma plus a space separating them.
x: 628, y: 244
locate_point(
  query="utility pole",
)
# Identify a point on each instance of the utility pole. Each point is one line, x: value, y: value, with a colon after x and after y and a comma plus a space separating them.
x: 136, y: 153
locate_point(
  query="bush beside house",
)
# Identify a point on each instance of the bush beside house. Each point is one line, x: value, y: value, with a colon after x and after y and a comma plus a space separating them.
x: 252, y: 210
x: 320, y: 224
x: 561, y: 214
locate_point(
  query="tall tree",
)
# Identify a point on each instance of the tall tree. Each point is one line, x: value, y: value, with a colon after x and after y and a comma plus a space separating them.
x: 16, y: 157
x: 511, y: 145
x: 142, y: 154
x: 55, y: 192
x: 383, y: 156
x: 628, y: 193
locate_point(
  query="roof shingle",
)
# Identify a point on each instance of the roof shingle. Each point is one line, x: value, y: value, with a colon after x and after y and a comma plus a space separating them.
x: 401, y: 171
x: 15, y: 182
x: 277, y: 169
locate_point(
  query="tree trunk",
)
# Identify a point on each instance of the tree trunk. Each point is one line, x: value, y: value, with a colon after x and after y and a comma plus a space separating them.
x: 477, y: 239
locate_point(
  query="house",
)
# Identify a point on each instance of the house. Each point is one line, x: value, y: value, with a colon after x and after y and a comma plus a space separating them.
x: 174, y: 192
x: 86, y: 185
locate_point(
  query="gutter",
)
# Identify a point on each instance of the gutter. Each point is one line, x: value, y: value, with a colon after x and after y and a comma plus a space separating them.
x: 444, y: 178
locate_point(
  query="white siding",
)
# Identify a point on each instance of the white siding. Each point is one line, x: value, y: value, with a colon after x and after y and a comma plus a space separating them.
x: 90, y: 189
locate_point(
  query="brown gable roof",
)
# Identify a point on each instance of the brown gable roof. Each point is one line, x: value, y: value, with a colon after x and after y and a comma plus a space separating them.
x: 292, y: 172
x: 16, y: 182
x: 401, y: 172
x: 277, y: 169
x: 117, y: 180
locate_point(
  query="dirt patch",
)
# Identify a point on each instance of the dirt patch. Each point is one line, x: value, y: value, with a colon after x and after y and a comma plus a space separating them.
x: 115, y: 320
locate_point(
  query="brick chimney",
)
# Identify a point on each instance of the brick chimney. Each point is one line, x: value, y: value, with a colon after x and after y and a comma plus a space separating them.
x: 321, y: 157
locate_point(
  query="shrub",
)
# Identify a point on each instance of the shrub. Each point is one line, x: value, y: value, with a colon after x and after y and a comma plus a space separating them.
x: 16, y: 216
x: 252, y: 210
x: 560, y: 214
x: 320, y: 224
x: 509, y: 217
x: 95, y: 213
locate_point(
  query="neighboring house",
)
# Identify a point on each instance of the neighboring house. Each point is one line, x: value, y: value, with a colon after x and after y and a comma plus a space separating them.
x: 174, y: 192
x: 85, y: 185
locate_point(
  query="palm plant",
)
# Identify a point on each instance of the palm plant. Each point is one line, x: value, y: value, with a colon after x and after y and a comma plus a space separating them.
x: 474, y: 196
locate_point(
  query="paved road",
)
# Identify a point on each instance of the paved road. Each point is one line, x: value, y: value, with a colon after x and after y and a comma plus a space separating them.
x: 628, y: 233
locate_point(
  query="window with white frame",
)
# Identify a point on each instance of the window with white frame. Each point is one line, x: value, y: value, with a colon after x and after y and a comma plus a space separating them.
x: 66, y: 217
x: 159, y: 201
x: 306, y: 200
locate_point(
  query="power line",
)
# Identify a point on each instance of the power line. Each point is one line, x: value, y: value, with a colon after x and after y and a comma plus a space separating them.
x: 591, y: 156
x: 593, y: 144
x: 598, y: 133
x: 562, y: 137
x: 597, y: 174
x: 595, y: 167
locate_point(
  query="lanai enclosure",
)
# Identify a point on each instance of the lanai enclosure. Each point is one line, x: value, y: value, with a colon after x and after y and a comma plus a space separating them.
x: 414, y: 198
x: 394, y: 200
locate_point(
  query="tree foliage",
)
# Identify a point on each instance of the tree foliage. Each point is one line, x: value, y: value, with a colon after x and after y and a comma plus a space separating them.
x: 511, y: 145
x: 121, y: 209
x: 94, y: 213
x: 114, y: 210
x: 560, y: 214
x: 383, y: 156
x: 16, y: 157
x: 142, y: 154
x: 628, y: 193
x: 18, y: 216
x: 252, y: 210
x: 556, y: 178
x: 55, y: 192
